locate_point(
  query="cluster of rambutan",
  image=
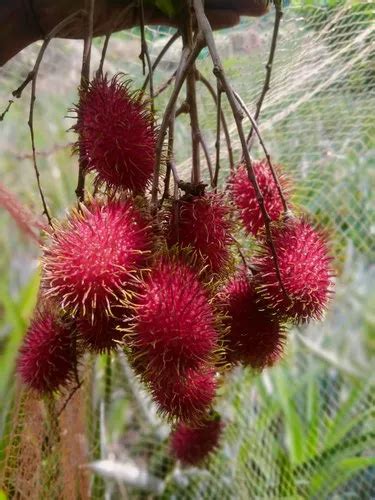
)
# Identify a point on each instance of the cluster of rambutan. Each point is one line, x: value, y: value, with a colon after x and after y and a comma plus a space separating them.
x: 168, y: 290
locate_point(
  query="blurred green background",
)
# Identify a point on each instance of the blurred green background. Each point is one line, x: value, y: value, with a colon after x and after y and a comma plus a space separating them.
x: 302, y: 430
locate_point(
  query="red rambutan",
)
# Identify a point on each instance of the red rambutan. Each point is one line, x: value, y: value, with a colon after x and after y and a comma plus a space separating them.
x: 117, y: 134
x: 254, y: 335
x: 185, y: 397
x: 47, y: 358
x: 93, y: 256
x: 305, y: 270
x: 244, y: 196
x: 192, y: 445
x: 174, y: 322
x: 202, y: 223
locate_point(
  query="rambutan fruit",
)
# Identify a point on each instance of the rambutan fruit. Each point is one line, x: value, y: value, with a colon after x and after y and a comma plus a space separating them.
x: 92, y: 257
x: 305, y: 271
x: 116, y: 134
x: 254, y: 336
x: 202, y: 223
x: 192, y: 445
x: 174, y: 323
x: 244, y: 196
x: 186, y: 397
x: 47, y: 358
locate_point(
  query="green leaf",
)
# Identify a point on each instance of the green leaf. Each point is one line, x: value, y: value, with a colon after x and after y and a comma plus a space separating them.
x: 355, y: 464
x: 293, y: 425
x: 16, y: 315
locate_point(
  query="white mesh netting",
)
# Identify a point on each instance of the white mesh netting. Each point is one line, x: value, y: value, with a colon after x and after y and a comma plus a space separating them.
x: 302, y: 430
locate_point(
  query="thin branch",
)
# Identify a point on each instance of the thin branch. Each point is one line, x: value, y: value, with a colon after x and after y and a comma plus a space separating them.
x: 162, y: 53
x: 68, y: 399
x: 146, y: 54
x: 165, y: 85
x: 109, y: 34
x: 169, y: 163
x: 32, y: 76
x: 43, y: 153
x: 18, y: 92
x: 218, y: 70
x: 104, y: 52
x: 208, y: 158
x: 218, y: 133
x: 274, y: 175
x: 186, y: 60
x: 211, y: 90
x: 266, y: 85
x: 191, y: 98
x: 85, y: 78
x: 239, y: 248
x: 184, y: 108
x: 2, y: 116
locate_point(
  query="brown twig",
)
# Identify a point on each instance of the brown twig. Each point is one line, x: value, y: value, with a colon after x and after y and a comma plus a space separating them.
x: 211, y: 90
x: 191, y: 97
x: 165, y: 85
x: 268, y: 156
x: 208, y: 158
x: 109, y: 34
x: 187, y: 58
x: 68, y: 399
x: 85, y: 78
x: 145, y: 54
x: 2, y: 116
x: 162, y: 53
x: 44, y: 153
x: 240, y: 252
x: 169, y: 163
x: 104, y: 52
x: 218, y: 133
x: 32, y: 76
x: 266, y: 85
x: 219, y: 72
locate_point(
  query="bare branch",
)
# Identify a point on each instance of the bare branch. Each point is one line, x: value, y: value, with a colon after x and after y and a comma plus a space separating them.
x: 2, y: 116
x: 165, y: 85
x: 211, y: 90
x: 206, y: 29
x: 145, y: 54
x: 191, y: 97
x: 187, y: 59
x: 85, y: 78
x: 274, y: 175
x: 32, y: 76
x: 162, y: 53
x: 208, y: 158
x: 266, y: 85
x: 109, y: 34
x: 218, y: 133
